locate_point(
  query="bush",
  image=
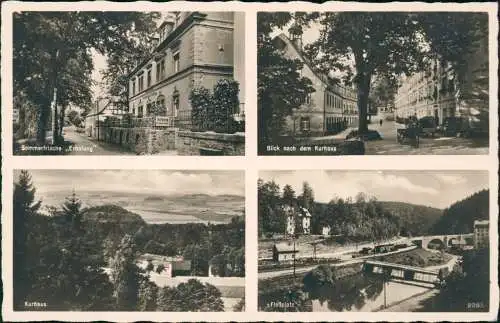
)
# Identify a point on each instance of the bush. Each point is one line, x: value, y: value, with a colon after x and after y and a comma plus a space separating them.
x: 214, y: 112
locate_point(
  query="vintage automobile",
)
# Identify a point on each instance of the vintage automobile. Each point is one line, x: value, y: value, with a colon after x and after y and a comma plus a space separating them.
x: 408, y: 132
x: 428, y: 126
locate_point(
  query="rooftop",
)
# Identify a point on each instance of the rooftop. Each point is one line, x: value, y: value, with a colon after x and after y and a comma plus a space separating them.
x: 286, y: 247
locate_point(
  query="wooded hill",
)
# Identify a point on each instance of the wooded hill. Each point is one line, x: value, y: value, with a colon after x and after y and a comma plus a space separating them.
x: 460, y: 216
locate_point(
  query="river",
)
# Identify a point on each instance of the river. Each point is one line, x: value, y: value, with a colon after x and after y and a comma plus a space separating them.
x: 358, y: 293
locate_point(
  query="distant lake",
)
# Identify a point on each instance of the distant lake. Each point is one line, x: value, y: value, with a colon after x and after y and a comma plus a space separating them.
x: 153, y: 217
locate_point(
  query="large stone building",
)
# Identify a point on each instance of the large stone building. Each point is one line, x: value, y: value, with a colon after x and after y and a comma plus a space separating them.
x: 481, y: 234
x: 436, y: 91
x: 327, y: 110
x: 194, y: 49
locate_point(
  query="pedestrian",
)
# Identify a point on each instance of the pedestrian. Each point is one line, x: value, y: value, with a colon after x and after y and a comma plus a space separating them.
x: 381, y: 122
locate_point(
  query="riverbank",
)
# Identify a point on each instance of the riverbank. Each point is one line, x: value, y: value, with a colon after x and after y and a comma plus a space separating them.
x: 418, y: 258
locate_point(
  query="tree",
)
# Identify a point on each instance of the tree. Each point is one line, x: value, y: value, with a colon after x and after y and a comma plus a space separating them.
x: 24, y: 207
x: 191, y: 296
x: 225, y: 102
x: 377, y: 43
x: 240, y: 306
x: 80, y: 263
x: 125, y: 275
x: 52, y: 55
x: 288, y: 195
x: 307, y: 197
x: 281, y: 89
x: 160, y: 268
x: 148, y: 296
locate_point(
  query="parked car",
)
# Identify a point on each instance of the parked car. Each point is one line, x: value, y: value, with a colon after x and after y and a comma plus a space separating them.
x: 428, y: 126
x: 370, y: 135
x: 464, y: 127
x: 453, y: 127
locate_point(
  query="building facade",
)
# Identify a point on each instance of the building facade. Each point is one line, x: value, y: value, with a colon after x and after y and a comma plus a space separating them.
x: 327, y: 110
x: 437, y: 91
x: 285, y: 251
x: 481, y: 234
x: 293, y: 215
x: 194, y: 49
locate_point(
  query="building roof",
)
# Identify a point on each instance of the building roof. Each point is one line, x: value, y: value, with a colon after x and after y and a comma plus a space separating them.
x: 481, y: 222
x: 193, y: 16
x: 181, y: 265
x: 160, y: 258
x: 305, y: 212
x: 286, y: 247
x: 322, y: 77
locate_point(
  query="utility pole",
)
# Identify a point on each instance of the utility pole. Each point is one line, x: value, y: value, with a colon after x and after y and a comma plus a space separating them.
x: 293, y: 237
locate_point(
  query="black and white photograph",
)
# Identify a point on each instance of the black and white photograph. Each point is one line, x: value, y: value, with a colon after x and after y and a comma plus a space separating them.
x: 373, y: 241
x: 128, y: 83
x: 129, y: 240
x: 375, y: 83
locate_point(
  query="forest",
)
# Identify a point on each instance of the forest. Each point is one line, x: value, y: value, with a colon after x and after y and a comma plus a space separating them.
x: 460, y: 216
x: 365, y: 219
x: 60, y: 258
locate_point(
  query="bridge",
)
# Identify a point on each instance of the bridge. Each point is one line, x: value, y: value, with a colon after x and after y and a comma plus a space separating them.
x: 404, y: 272
x: 443, y: 241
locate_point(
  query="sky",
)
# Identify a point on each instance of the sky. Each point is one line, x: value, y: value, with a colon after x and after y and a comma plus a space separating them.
x: 100, y: 64
x: 310, y: 35
x: 158, y: 182
x: 437, y: 189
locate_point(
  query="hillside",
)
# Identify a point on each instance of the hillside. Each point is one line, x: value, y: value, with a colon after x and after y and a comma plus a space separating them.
x: 415, y: 219
x: 459, y: 217
x: 110, y: 213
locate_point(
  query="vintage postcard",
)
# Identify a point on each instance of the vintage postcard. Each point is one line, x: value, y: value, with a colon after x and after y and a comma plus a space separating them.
x: 378, y: 83
x: 370, y: 241
x: 128, y: 240
x: 128, y: 83
x: 242, y: 161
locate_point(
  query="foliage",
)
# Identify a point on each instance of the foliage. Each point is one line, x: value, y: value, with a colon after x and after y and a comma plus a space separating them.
x: 191, y: 296
x: 225, y: 103
x: 61, y: 265
x: 460, y: 216
x: 24, y: 208
x: 201, y: 106
x: 281, y: 89
x: 53, y: 50
x: 60, y: 257
x: 214, y: 112
x: 148, y: 296
x: 270, y: 214
x: 240, y: 306
x: 125, y: 275
x: 466, y: 288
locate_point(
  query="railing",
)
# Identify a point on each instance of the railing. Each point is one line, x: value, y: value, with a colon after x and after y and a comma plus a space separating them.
x: 139, y: 122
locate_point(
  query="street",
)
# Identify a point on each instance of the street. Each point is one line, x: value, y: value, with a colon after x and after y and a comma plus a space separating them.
x: 428, y: 146
x: 271, y: 274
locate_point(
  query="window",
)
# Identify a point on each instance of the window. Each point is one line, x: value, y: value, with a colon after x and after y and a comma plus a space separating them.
x: 305, y: 124
x: 140, y: 111
x: 149, y: 78
x: 141, y: 83
x: 160, y: 104
x: 308, y: 99
x: 176, y: 62
x: 160, y: 70
x: 133, y: 87
x: 175, y: 104
x: 149, y: 109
